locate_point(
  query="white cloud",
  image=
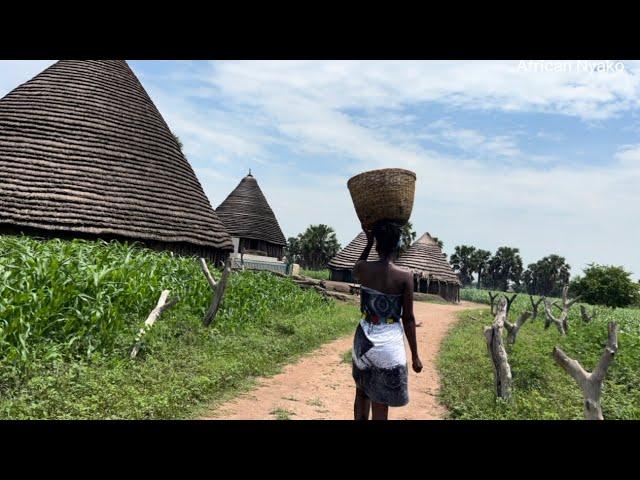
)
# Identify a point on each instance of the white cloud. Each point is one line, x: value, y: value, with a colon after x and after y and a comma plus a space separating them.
x: 570, y: 209
x: 470, y: 84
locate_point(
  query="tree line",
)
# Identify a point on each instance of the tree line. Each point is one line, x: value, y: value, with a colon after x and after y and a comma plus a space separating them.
x: 503, y: 270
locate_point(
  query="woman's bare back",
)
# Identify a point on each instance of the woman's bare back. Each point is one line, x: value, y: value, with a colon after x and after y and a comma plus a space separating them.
x: 385, y: 277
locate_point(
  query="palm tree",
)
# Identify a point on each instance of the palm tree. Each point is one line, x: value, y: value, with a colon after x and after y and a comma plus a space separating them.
x: 407, y: 237
x: 318, y: 244
x: 461, y: 261
x: 480, y: 263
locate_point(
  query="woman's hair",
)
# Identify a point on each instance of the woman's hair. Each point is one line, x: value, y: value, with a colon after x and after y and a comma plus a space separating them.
x: 387, y: 234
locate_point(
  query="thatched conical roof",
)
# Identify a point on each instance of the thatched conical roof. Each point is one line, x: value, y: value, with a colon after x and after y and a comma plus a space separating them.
x: 348, y: 256
x: 83, y: 149
x: 425, y: 257
x: 247, y: 214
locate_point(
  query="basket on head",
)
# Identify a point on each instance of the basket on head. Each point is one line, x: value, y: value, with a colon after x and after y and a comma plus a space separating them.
x: 383, y: 194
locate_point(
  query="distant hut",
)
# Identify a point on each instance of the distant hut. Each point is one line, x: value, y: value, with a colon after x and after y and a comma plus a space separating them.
x: 342, y: 264
x: 84, y: 152
x: 432, y: 272
x: 250, y: 221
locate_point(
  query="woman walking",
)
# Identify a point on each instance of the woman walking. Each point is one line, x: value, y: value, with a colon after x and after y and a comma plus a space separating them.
x: 386, y: 298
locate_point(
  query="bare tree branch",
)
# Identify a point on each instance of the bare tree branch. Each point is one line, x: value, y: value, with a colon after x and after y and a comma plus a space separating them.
x: 560, y: 322
x: 216, y: 300
x: 510, y: 301
x: 492, y: 298
x: 512, y: 330
x: 591, y: 383
x: 207, y: 273
x: 534, y: 306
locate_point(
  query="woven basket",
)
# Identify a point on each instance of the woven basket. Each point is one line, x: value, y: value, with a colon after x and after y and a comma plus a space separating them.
x: 383, y: 194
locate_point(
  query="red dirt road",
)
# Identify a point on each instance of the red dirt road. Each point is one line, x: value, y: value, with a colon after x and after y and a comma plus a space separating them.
x: 320, y: 387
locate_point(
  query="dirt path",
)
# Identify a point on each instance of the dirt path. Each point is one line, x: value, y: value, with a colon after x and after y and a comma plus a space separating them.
x: 320, y: 387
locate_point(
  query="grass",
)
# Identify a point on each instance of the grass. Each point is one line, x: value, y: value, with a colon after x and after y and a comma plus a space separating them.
x: 541, y: 389
x: 347, y: 357
x: 282, y: 414
x: 70, y: 311
x: 317, y: 274
x: 315, y: 402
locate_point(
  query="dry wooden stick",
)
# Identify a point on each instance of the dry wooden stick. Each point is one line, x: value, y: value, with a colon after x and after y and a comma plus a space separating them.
x: 162, y: 305
x: 591, y: 383
x: 534, y: 306
x: 497, y: 352
x: 512, y: 330
x: 560, y: 322
x: 216, y: 300
x: 207, y: 273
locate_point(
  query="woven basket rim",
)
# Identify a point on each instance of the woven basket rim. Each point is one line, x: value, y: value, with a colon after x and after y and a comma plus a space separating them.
x: 397, y: 170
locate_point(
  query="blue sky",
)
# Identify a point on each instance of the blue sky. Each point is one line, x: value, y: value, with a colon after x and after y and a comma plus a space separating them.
x: 536, y: 158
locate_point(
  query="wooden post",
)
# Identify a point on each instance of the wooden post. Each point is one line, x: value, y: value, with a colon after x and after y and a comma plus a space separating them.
x: 591, y: 383
x: 586, y: 318
x: 561, y: 321
x: 534, y: 307
x: 218, y: 293
x: 162, y: 305
x: 510, y: 301
x: 497, y: 352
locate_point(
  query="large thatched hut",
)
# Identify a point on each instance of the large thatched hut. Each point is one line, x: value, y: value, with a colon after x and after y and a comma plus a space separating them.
x: 432, y: 272
x: 84, y: 152
x: 342, y: 264
x: 250, y: 221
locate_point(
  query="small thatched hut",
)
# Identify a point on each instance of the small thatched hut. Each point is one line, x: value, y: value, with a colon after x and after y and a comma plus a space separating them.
x: 84, y: 152
x: 249, y: 219
x: 432, y: 272
x: 342, y: 264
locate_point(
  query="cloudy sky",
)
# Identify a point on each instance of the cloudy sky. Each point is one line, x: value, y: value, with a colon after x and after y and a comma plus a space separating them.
x: 540, y: 156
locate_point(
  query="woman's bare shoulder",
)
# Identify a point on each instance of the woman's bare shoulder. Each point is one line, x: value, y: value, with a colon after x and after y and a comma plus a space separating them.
x: 405, y: 270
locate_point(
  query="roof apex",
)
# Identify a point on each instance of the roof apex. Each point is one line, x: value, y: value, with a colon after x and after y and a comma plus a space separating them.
x: 426, y: 239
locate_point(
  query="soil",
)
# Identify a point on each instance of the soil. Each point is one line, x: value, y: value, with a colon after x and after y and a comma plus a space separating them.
x: 320, y: 387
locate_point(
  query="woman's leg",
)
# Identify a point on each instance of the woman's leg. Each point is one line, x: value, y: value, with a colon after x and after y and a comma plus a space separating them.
x: 380, y: 411
x: 361, y: 405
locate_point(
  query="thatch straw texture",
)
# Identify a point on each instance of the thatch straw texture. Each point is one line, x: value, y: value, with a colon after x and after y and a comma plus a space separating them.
x: 348, y: 256
x: 247, y: 214
x: 84, y: 149
x: 426, y: 259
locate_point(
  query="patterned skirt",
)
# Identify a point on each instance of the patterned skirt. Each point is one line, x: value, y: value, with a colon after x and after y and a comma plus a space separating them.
x: 380, y: 363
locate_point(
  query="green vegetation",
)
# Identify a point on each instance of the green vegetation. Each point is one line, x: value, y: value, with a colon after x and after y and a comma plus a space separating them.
x: 313, y: 248
x: 606, y: 285
x: 324, y: 274
x: 541, y: 389
x: 347, y: 356
x: 547, y: 276
x: 70, y: 310
x: 282, y: 414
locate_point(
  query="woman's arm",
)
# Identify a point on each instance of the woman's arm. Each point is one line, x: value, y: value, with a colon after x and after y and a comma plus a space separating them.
x: 365, y: 253
x: 409, y: 322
